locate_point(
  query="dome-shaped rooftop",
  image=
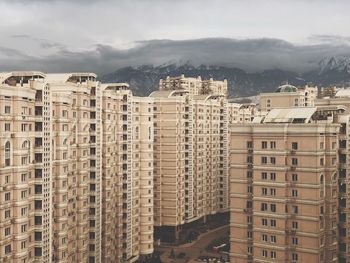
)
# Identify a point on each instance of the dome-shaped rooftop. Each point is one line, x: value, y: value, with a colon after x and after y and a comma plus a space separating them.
x: 287, y: 88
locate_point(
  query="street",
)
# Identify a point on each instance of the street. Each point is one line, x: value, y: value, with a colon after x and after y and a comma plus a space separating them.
x: 195, y: 249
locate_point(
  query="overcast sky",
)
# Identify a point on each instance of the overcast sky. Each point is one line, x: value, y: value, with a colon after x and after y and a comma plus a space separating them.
x: 54, y: 34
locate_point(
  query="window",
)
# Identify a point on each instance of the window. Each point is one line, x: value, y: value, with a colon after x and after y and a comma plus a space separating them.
x: 7, y: 153
x: 321, y: 161
x: 250, y: 234
x: 295, y: 257
x: 7, y: 126
x: 294, y: 177
x: 7, y: 109
x: 264, y: 253
x: 294, y: 145
x: 249, y: 219
x: 249, y: 159
x: 273, y: 207
x: 38, y: 251
x: 264, y: 176
x: 294, y: 192
x: 295, y: 225
x: 295, y: 209
x: 273, y: 222
x: 273, y: 145
x: 23, y: 245
x: 263, y: 206
x: 249, y: 174
x: 273, y: 176
x: 250, y: 250
x: 272, y: 191
x: 273, y: 239
x: 263, y: 191
x: 294, y: 161
x: 7, y: 214
x: 334, y: 145
x: 268, y: 103
x: 264, y: 222
x: 8, y: 249
x: 294, y: 240
x: 23, y: 228
x: 264, y: 144
x: 23, y: 177
x: 7, y: 231
x: 7, y: 196
x: 264, y: 237
x: 264, y: 160
x: 273, y: 160
x: 273, y: 254
x: 249, y: 144
x: 321, y: 145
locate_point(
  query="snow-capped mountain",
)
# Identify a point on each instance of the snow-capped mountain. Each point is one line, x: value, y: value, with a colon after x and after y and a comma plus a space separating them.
x: 145, y: 79
x: 337, y: 63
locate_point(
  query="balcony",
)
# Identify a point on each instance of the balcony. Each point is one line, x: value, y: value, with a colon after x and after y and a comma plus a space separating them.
x: 38, y: 158
x: 38, y: 142
x: 38, y: 126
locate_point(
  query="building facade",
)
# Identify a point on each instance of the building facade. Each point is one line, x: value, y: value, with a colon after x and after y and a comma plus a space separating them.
x: 285, y: 194
x: 190, y: 153
x: 288, y: 96
x: 76, y: 166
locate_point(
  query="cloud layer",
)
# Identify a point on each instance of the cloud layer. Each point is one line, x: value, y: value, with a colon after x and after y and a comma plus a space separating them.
x: 251, y: 55
x: 104, y: 35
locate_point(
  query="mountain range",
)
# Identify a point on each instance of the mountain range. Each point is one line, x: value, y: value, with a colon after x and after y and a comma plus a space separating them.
x: 144, y: 79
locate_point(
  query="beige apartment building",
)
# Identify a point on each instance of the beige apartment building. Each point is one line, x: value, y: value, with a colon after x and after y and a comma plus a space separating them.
x: 287, y: 189
x: 190, y: 153
x: 25, y: 170
x: 288, y: 96
x: 76, y: 170
x: 127, y: 178
x: 195, y: 86
x: 243, y: 113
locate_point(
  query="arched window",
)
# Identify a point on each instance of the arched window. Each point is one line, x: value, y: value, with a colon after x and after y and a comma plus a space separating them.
x: 26, y: 146
x: 7, y: 153
x: 334, y: 177
x: 64, y: 142
x: 321, y: 179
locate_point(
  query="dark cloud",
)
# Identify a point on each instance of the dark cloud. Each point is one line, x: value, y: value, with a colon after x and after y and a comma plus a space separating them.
x: 43, y: 43
x: 251, y: 55
x: 12, y: 53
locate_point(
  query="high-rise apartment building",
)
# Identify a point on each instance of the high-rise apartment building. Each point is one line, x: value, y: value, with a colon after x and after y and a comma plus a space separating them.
x: 25, y: 168
x: 286, y: 192
x: 288, y: 96
x: 127, y: 217
x: 190, y: 153
x: 76, y: 166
